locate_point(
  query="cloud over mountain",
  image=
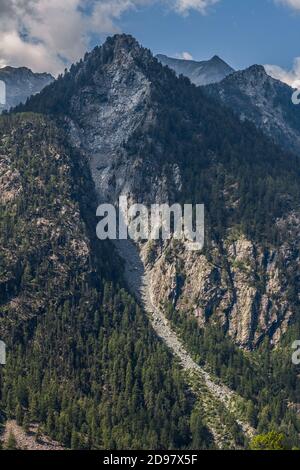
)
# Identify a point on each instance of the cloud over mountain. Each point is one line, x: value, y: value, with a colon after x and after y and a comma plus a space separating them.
x: 50, y: 34
x: 291, y: 77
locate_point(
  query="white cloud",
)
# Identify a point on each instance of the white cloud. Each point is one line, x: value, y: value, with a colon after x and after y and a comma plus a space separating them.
x: 184, y: 56
x: 185, y: 6
x: 291, y: 77
x: 291, y: 3
x: 47, y: 35
x: 14, y: 51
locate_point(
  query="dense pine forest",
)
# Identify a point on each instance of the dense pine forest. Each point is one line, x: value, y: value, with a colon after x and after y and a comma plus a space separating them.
x: 83, y: 360
x: 256, y: 376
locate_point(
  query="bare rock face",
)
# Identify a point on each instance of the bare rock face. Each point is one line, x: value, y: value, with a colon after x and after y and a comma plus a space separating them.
x: 106, y: 114
x: 109, y: 113
x: 246, y: 295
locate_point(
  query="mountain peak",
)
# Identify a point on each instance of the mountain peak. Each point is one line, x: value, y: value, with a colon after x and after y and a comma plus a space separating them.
x: 9, y: 68
x: 200, y: 73
x: 256, y: 69
x: 216, y: 58
x: 251, y: 76
x: 121, y: 44
x: 120, y: 48
x: 122, y: 41
x: 19, y: 71
x: 256, y: 96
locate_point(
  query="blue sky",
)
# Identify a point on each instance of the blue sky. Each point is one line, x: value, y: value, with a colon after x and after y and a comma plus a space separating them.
x: 242, y: 32
x: 45, y: 35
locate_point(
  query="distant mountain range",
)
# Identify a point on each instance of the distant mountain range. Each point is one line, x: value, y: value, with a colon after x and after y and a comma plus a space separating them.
x: 267, y: 102
x: 200, y: 73
x: 21, y: 83
x: 252, y: 94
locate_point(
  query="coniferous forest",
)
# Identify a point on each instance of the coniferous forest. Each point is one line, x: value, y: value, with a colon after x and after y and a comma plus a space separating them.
x: 84, y: 362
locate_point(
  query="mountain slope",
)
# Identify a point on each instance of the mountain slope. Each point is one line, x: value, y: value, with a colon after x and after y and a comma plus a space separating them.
x: 200, y: 73
x: 267, y: 102
x: 83, y: 360
x: 157, y: 138
x: 21, y: 83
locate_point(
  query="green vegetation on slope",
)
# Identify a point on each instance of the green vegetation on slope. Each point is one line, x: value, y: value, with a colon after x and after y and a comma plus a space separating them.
x: 82, y: 358
x: 266, y: 378
x: 247, y: 185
